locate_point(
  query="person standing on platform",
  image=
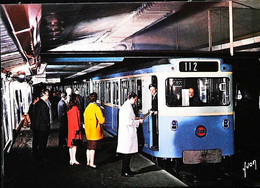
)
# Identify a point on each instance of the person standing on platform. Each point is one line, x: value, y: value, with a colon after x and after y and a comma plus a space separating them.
x: 31, y: 110
x: 127, y: 133
x: 48, y: 102
x: 81, y: 105
x: 94, y: 118
x: 69, y: 93
x: 73, y: 126
x: 33, y: 121
x: 54, y: 104
x: 63, y: 120
x: 41, y: 130
x: 154, y: 114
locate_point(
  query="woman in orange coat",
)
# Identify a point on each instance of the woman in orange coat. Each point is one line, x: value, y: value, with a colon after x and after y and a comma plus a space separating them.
x: 94, y: 118
x: 73, y: 126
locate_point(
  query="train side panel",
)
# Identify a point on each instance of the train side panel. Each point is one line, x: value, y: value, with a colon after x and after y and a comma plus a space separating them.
x: 111, y: 114
x: 174, y: 141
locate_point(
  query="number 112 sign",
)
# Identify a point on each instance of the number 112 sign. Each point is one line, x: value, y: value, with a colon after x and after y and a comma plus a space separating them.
x: 198, y: 66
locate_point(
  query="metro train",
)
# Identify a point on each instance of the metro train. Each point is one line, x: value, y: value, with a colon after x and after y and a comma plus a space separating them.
x: 16, y: 99
x: 203, y: 133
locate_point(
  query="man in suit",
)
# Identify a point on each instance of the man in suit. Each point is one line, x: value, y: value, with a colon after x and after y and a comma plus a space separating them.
x: 41, y: 130
x: 154, y: 114
x: 31, y: 111
x: 63, y: 120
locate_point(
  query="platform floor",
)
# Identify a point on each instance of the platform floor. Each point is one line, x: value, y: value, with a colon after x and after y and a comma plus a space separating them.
x: 21, y: 170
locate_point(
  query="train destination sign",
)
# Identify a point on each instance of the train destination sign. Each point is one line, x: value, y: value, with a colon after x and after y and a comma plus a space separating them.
x: 198, y: 66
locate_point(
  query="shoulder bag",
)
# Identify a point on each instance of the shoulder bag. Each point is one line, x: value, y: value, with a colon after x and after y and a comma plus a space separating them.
x: 76, y: 141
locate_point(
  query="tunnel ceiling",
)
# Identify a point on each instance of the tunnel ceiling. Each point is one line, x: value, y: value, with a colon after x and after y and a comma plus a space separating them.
x: 61, y: 40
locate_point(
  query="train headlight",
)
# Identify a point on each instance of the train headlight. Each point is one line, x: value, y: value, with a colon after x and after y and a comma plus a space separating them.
x: 174, y: 125
x: 226, y: 123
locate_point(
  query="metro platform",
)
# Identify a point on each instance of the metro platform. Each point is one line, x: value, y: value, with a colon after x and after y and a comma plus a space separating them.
x: 22, y: 170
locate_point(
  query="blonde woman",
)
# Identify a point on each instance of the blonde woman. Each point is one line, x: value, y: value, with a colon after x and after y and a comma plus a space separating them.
x: 94, y: 118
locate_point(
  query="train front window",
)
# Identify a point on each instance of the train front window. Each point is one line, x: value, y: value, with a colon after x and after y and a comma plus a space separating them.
x: 197, y: 92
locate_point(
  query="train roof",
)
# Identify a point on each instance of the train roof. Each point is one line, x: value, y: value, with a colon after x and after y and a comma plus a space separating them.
x: 127, y: 67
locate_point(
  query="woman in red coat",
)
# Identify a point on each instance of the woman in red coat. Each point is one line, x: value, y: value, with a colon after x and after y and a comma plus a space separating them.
x: 73, y: 126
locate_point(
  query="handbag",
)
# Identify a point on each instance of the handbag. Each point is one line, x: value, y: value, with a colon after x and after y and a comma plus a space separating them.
x: 77, y: 141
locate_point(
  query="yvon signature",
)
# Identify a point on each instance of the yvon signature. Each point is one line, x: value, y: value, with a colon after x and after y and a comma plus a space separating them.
x: 249, y: 165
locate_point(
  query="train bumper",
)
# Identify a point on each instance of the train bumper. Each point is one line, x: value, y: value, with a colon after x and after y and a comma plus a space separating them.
x: 202, y: 156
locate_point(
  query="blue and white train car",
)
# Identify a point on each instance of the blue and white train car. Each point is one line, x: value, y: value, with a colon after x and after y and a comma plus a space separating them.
x: 201, y: 132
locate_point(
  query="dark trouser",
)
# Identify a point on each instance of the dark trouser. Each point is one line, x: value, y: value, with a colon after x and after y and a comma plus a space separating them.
x: 155, y: 130
x: 126, y: 163
x: 63, y: 133
x: 39, y: 143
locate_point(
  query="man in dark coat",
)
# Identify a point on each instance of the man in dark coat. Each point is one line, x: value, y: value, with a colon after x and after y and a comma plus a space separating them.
x: 63, y: 120
x: 154, y: 113
x: 31, y: 111
x: 41, y: 130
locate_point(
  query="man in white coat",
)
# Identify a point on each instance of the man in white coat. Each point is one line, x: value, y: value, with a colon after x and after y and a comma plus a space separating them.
x: 127, y: 133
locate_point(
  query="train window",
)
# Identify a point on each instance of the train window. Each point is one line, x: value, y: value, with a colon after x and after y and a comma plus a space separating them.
x: 197, y: 92
x: 17, y: 97
x: 21, y: 97
x: 82, y: 91
x: 86, y: 86
x: 22, y: 105
x: 154, y: 80
x: 115, y: 93
x: 108, y: 92
x: 102, y: 92
x: 96, y: 88
x: 133, y: 86
x: 86, y: 94
x: 124, y: 90
x: 17, y: 106
x: 139, y: 94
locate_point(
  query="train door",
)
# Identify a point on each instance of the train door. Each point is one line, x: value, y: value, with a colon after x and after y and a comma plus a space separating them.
x: 115, y: 104
x: 140, y: 132
x: 145, y: 106
x: 154, y: 117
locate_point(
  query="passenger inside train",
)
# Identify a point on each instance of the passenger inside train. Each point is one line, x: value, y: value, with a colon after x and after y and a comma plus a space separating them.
x: 193, y: 99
